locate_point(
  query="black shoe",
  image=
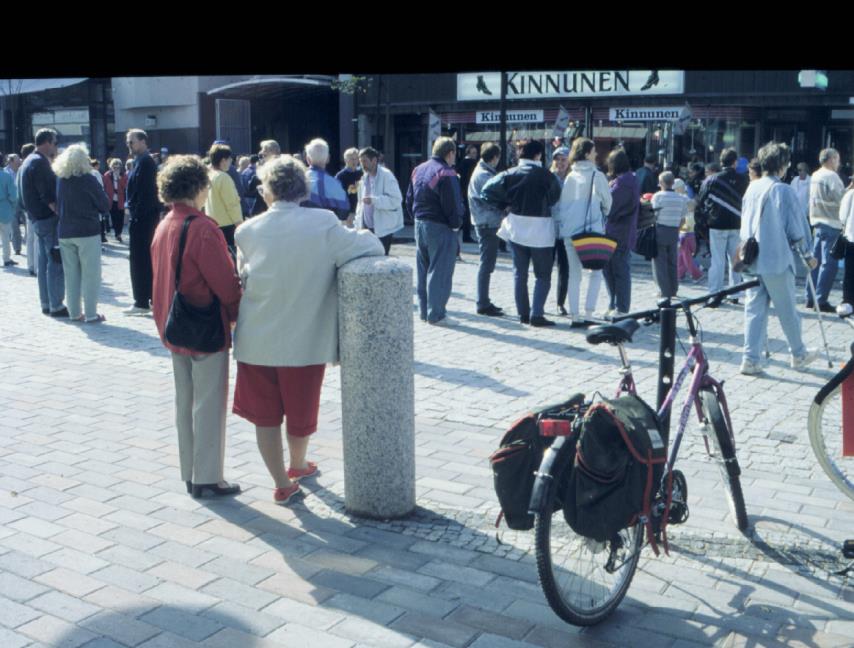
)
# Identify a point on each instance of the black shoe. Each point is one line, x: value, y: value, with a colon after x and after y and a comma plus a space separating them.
x: 733, y: 301
x: 62, y: 312
x: 524, y: 319
x: 119, y: 239
x: 10, y: 263
x: 491, y: 311
x: 189, y: 486
x: 199, y: 490
x: 580, y: 323
x: 32, y: 273
x: 541, y: 321
x: 809, y: 305
x: 45, y: 311
x: 103, y: 239
x: 827, y: 308
x: 561, y: 310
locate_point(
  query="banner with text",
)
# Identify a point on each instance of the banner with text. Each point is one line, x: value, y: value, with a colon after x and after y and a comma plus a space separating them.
x: 513, y: 116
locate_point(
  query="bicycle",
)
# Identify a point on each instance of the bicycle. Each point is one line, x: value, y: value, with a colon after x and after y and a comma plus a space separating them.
x: 831, y: 430
x: 583, y: 580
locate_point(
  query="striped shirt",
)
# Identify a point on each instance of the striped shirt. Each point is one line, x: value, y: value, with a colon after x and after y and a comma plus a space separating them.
x: 670, y: 207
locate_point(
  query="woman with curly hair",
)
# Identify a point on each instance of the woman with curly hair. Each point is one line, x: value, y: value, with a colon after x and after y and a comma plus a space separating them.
x: 207, y: 271
x: 80, y: 201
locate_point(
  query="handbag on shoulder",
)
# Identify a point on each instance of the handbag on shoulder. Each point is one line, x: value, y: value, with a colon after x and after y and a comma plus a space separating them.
x: 747, y: 251
x: 594, y: 249
x: 188, y: 326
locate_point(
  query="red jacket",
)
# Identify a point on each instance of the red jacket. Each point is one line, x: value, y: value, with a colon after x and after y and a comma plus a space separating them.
x: 207, y: 270
x: 108, y: 187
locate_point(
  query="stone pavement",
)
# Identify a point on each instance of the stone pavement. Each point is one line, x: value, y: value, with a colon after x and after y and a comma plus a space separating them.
x: 101, y: 546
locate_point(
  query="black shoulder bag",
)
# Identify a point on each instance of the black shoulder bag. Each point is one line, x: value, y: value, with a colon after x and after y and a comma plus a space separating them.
x: 188, y: 326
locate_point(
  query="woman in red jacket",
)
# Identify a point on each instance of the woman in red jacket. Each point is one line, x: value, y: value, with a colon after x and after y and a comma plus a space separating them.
x: 115, y: 184
x: 201, y: 379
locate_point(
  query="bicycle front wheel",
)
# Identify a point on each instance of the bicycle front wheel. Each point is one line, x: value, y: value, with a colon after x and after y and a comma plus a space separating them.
x: 584, y: 580
x: 825, y: 429
x: 723, y: 450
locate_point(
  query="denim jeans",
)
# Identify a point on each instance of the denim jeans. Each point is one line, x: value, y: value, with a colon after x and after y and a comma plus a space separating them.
x: 436, y: 256
x: 81, y: 262
x: 722, y: 245
x: 51, y: 276
x: 543, y: 259
x: 488, y: 241
x: 825, y: 273
x: 780, y: 290
x: 618, y: 280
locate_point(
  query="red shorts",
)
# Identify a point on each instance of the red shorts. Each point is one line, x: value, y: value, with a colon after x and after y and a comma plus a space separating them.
x: 266, y: 395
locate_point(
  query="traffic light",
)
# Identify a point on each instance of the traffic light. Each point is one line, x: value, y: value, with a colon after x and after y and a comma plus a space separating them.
x: 813, y: 79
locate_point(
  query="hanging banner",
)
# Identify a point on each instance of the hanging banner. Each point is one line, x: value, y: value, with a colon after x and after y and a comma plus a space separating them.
x: 561, y: 123
x: 434, y: 129
x: 513, y: 117
x: 486, y: 86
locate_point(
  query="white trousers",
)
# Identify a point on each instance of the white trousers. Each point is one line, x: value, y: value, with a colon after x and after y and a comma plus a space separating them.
x: 201, y: 398
x: 574, y: 286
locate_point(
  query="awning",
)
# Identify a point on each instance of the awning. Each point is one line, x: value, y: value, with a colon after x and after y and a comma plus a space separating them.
x: 26, y: 86
x: 266, y: 86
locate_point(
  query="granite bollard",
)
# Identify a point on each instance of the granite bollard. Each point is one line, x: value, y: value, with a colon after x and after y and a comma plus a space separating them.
x: 377, y: 386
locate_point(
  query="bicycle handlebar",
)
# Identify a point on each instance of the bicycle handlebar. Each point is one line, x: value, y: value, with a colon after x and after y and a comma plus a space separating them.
x: 712, y: 300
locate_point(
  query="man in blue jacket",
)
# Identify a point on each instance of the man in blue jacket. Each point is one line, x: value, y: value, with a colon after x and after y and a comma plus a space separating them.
x: 529, y: 191
x: 38, y: 191
x: 326, y: 191
x: 487, y: 220
x: 434, y: 200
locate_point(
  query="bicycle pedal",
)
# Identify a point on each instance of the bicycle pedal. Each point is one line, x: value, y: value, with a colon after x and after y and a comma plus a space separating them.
x: 678, y: 513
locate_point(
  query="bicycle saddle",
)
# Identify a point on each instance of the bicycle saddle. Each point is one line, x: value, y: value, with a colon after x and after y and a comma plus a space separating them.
x: 613, y: 333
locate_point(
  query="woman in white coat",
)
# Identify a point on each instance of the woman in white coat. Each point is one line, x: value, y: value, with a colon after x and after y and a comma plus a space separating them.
x: 379, y: 201
x: 287, y: 327
x: 584, y: 205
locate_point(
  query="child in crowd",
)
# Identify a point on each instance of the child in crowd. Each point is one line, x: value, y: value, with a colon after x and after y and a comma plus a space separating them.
x: 687, y: 241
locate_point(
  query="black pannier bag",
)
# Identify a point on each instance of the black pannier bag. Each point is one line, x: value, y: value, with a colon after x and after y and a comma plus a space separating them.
x: 619, y: 461
x: 518, y: 458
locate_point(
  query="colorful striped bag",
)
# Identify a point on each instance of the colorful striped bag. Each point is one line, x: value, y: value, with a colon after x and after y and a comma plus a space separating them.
x: 594, y: 249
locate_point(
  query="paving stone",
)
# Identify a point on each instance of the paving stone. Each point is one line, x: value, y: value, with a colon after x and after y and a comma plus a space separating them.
x: 24, y: 565
x: 235, y: 592
x: 30, y: 545
x: 181, y: 597
x: 189, y: 556
x: 228, y: 638
x: 10, y: 639
x: 312, y: 616
x: 122, y: 600
x: 184, y: 624
x: 372, y: 610
x: 244, y: 618
x: 63, y: 606
x: 448, y: 631
x: 14, y: 614
x: 371, y: 634
x: 408, y: 579
x: 364, y: 587
x: 490, y: 622
x: 70, y: 582
x: 456, y: 573
x: 83, y: 541
x: 415, y: 601
x: 487, y: 640
x: 236, y: 570
x: 19, y: 589
x: 294, y: 634
x: 127, y: 557
x: 120, y: 627
x: 56, y: 632
x: 37, y: 527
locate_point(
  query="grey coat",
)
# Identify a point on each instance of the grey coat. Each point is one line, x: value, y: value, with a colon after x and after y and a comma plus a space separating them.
x: 482, y: 213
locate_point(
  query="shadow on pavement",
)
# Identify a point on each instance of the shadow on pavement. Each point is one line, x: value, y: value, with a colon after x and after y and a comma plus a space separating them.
x: 178, y: 626
x: 125, y: 339
x: 465, y: 377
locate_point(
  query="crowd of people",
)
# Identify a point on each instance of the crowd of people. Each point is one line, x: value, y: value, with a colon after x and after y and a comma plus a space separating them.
x: 260, y: 238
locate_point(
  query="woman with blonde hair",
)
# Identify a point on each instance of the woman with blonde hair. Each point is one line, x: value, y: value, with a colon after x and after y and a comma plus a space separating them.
x: 80, y: 201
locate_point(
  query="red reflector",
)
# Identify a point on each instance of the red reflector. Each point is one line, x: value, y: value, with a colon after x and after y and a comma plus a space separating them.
x: 555, y: 427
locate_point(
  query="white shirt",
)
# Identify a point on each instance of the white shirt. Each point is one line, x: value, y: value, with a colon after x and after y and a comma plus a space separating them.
x: 672, y: 208
x: 846, y: 214
x: 530, y: 231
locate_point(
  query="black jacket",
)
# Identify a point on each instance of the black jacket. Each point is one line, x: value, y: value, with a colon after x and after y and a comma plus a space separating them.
x: 38, y: 186
x: 720, y: 199
x: 142, y: 189
x: 527, y: 189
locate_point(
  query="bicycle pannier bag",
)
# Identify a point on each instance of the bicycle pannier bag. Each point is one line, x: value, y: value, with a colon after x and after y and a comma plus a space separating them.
x: 516, y: 461
x: 618, y: 465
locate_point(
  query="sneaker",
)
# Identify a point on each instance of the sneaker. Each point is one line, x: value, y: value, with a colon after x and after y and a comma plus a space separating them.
x: 541, y: 321
x: 801, y: 363
x: 445, y: 321
x: 749, y: 368
x: 10, y: 262
x: 285, y: 495
x: 136, y: 310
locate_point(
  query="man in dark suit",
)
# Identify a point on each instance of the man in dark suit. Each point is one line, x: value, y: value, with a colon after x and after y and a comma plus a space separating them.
x: 144, y: 208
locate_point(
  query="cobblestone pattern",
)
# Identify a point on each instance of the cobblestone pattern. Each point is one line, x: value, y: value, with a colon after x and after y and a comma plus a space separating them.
x: 101, y: 546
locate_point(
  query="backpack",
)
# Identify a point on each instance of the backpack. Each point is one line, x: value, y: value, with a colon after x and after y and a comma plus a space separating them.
x: 646, y: 215
x: 517, y: 459
x: 618, y: 465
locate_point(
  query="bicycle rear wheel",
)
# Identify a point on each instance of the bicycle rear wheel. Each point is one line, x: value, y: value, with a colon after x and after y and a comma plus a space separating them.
x: 723, y: 450
x: 583, y: 580
x: 825, y: 429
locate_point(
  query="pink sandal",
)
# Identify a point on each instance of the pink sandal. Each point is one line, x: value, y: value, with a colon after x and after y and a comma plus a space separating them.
x: 284, y: 495
x: 298, y: 473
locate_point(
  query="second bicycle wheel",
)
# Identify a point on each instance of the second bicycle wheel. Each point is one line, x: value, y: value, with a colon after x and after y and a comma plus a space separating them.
x: 584, y: 580
x: 825, y: 428
x: 723, y: 450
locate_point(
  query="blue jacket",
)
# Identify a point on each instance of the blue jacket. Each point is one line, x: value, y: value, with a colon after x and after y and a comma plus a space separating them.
x: 80, y: 201
x: 482, y: 213
x: 327, y: 193
x: 38, y: 186
x: 434, y: 194
x: 8, y: 197
x: 142, y: 189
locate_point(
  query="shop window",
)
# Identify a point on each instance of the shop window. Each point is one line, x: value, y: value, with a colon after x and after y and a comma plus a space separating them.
x: 72, y: 124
